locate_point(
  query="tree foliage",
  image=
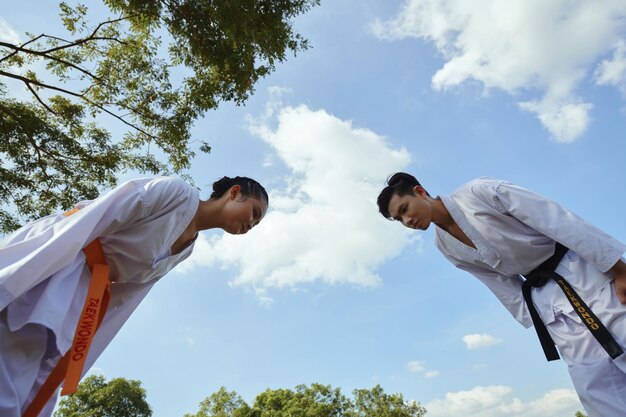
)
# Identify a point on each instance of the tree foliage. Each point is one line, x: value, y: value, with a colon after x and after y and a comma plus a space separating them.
x: 97, y: 398
x: 315, y: 400
x: 376, y: 402
x: 155, y: 67
x: 223, y: 404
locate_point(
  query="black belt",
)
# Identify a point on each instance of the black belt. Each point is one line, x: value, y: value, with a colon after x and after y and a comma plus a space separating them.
x: 538, y: 278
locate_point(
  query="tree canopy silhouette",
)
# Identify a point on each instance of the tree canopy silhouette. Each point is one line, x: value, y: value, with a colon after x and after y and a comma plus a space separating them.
x: 154, y: 67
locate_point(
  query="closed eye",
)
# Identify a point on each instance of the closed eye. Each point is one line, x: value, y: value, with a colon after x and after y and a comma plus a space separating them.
x: 401, y: 211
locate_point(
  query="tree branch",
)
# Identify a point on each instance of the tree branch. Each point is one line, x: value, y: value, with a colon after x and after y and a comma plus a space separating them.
x: 91, y: 37
x: 45, y: 55
x: 28, y: 82
x: 40, y: 84
x: 32, y: 90
x: 22, y: 45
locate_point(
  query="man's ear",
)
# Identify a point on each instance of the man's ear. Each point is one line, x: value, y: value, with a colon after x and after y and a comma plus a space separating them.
x: 234, y: 191
x: 419, y: 190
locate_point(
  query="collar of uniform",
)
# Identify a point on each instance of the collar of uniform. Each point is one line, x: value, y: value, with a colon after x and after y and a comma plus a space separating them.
x: 482, y: 252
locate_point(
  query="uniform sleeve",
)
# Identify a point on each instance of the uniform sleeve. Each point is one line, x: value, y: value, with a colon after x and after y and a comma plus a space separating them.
x: 39, y: 249
x: 508, y: 289
x: 560, y: 224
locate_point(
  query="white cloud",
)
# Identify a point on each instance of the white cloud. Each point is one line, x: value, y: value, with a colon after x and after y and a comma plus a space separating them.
x: 7, y: 34
x: 324, y: 223
x: 268, y: 161
x: 476, y: 341
x: 498, y: 401
x: 477, y: 366
x: 566, y: 121
x: 415, y: 366
x: 613, y: 71
x: 521, y: 45
x: 418, y: 367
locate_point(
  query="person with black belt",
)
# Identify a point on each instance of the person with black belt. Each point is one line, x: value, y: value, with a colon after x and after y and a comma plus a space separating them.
x: 548, y: 267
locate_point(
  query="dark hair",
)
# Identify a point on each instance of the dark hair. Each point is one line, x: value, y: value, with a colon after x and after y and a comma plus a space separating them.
x: 399, y: 183
x: 249, y: 188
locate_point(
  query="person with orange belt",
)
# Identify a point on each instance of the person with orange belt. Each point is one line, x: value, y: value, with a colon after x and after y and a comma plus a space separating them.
x: 548, y: 267
x: 68, y: 282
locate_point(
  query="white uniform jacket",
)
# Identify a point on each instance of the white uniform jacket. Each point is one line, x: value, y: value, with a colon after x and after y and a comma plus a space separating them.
x: 514, y: 231
x: 43, y: 273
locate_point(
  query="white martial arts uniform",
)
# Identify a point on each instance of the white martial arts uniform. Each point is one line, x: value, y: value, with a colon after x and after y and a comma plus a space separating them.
x: 514, y: 231
x: 44, y: 277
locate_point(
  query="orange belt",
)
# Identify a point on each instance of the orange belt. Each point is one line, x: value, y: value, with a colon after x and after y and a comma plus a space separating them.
x: 70, y: 367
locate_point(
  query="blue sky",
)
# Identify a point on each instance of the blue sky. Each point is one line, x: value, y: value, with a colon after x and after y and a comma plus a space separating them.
x: 325, y: 290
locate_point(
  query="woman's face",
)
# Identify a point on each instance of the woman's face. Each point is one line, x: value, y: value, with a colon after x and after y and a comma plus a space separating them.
x: 242, y: 213
x: 413, y: 210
